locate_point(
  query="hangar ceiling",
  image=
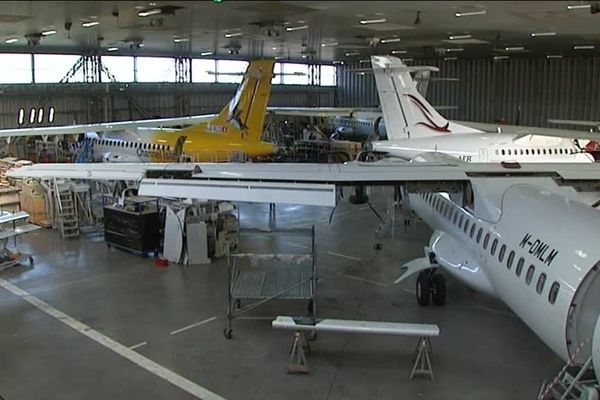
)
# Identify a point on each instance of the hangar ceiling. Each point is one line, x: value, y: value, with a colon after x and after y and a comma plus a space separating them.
x: 314, y: 30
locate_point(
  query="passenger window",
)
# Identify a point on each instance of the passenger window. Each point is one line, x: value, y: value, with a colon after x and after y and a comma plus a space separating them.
x: 539, y: 152
x: 553, y: 292
x: 521, y: 151
x: 486, y: 241
x: 502, y: 151
x: 529, y: 276
x: 479, y: 233
x: 540, y: 283
x: 466, y: 227
x: 473, y: 227
x: 519, y: 268
x: 496, y: 151
x: 501, y: 253
x: 494, y: 245
x: 460, y: 221
x: 511, y: 258
x: 527, y: 151
x: 508, y: 151
x: 455, y: 217
x: 544, y: 151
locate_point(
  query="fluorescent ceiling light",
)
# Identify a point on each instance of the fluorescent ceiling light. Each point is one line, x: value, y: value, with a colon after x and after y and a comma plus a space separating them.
x: 469, y: 13
x: 338, y: 62
x: 149, y: 12
x: 364, y: 61
x: 206, y: 53
x: 373, y: 21
x: 453, y: 49
x: 578, y: 6
x: 399, y: 51
x: 352, y: 53
x: 500, y: 57
x: 361, y: 73
x: 90, y: 23
x: 390, y: 40
x: 233, y: 34
x: 296, y: 28
x: 554, y: 56
x: 459, y: 37
x: 536, y: 34
x: 329, y: 44
x: 514, y: 48
x: 48, y: 33
x: 112, y: 49
x: 181, y: 40
x: 450, y: 58
x: 584, y: 47
x: 11, y: 40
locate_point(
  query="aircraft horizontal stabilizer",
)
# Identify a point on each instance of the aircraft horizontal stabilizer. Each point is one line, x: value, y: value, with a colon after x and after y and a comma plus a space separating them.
x: 413, y: 267
x: 595, y: 124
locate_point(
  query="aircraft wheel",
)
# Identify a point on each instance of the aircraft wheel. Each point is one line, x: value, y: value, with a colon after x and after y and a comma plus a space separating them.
x: 423, y: 289
x: 438, y: 290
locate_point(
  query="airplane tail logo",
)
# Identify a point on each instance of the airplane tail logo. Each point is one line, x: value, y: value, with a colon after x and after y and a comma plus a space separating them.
x: 244, y: 116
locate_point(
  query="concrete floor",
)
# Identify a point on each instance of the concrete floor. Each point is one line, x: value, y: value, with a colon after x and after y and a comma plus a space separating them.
x: 484, y: 351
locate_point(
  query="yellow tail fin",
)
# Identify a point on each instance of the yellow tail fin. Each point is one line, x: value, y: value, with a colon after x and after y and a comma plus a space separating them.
x: 243, y: 117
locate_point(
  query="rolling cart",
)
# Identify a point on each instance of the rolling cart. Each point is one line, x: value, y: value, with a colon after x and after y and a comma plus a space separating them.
x: 259, y: 278
x: 12, y: 257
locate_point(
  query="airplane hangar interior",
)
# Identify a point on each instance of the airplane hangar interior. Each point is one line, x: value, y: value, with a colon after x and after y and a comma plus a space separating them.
x: 298, y: 200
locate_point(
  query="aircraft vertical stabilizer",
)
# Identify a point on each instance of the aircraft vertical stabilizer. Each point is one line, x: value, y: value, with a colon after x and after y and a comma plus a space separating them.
x: 243, y: 117
x: 406, y: 113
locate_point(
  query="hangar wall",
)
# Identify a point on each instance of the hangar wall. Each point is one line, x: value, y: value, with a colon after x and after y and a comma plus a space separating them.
x: 83, y: 103
x: 489, y: 91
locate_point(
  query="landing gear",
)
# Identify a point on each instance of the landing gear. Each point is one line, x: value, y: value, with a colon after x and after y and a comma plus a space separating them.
x: 431, y: 286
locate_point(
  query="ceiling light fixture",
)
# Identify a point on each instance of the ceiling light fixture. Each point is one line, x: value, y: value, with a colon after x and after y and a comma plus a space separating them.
x: 364, y: 61
x: 207, y: 53
x: 112, y: 49
x: 584, y: 47
x: 181, y: 40
x: 233, y: 34
x: 514, y: 48
x: 578, y: 6
x: 11, y: 40
x: 469, y: 13
x: 90, y: 24
x: 329, y: 44
x: 352, y: 53
x: 459, y: 37
x: 554, y: 56
x: 149, y: 12
x: 373, y: 21
x: 399, y: 51
x: 48, y: 33
x: 390, y: 40
x: 296, y: 28
x: 536, y: 34
x: 337, y: 62
x: 453, y: 49
x: 496, y: 58
x: 450, y: 58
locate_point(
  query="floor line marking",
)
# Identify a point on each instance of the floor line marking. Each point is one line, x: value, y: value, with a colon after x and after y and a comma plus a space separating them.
x: 297, y: 245
x: 137, y: 346
x: 356, y: 278
x: 136, y: 358
x: 409, y: 291
x: 185, y: 328
x: 495, y: 311
x: 344, y: 256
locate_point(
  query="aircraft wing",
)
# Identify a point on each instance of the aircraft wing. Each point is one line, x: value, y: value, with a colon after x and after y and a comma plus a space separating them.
x: 103, y: 126
x: 594, y: 124
x: 522, y: 131
x: 317, y: 111
x: 309, y: 184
